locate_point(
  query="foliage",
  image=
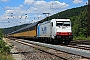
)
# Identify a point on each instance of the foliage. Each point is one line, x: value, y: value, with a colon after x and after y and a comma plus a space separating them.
x: 4, y: 49
x: 3, y: 45
x: 5, y: 56
x: 79, y: 38
x: 88, y: 38
x: 1, y: 34
x: 80, y: 24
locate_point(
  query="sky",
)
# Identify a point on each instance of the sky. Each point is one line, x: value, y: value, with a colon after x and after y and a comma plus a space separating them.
x: 17, y: 12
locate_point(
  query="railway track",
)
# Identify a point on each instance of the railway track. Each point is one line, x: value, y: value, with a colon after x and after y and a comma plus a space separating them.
x: 56, y: 50
x: 86, y: 42
x: 82, y: 44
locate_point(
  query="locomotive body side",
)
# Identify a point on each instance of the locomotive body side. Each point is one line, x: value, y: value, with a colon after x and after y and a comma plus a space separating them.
x: 43, y: 29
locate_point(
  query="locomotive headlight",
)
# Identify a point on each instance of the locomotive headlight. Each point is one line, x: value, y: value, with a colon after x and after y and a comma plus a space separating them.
x: 70, y: 33
x: 57, y: 33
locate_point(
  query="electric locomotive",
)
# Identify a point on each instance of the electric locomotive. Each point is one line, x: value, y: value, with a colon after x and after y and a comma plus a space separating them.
x: 58, y: 30
x: 55, y: 30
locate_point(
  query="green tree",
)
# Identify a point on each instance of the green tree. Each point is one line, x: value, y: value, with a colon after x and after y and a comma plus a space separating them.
x: 83, y: 23
x: 80, y: 24
x: 1, y: 34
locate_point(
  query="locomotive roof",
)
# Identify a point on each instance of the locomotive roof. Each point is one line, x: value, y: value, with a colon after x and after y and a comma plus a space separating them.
x: 61, y: 19
x: 31, y: 25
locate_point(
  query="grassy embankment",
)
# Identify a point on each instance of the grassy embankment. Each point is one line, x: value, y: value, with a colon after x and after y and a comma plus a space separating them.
x: 4, y: 49
x: 81, y: 38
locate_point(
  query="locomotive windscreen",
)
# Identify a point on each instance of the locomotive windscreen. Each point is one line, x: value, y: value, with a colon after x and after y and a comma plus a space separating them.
x: 59, y: 23
x: 63, y: 23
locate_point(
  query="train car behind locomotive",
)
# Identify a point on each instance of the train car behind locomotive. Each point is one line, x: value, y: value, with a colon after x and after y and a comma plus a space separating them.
x: 58, y: 30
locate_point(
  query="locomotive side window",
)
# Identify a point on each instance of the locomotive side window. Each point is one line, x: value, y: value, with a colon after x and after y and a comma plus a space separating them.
x: 52, y: 23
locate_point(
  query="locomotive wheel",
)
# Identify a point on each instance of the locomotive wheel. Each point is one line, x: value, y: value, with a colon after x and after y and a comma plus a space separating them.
x: 66, y: 42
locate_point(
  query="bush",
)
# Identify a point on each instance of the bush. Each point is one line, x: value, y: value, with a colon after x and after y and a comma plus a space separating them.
x: 5, y: 56
x: 88, y: 38
x: 79, y: 38
x: 1, y: 34
x: 5, y: 51
x: 4, y: 47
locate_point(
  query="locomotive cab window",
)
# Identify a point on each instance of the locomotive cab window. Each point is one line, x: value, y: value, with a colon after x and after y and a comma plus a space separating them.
x: 66, y: 24
x: 63, y: 23
x: 59, y: 23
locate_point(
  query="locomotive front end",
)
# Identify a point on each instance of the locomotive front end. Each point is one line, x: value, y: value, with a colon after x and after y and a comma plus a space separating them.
x: 63, y: 30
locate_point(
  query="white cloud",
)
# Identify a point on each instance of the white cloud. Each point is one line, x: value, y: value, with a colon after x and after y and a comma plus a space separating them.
x: 15, y: 10
x: 43, y: 6
x: 28, y: 2
x: 77, y: 1
x: 35, y: 11
x: 38, y: 7
x: 21, y: 6
x: 4, y: 0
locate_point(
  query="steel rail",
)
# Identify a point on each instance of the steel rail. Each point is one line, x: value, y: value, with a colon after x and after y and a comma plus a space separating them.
x: 84, y: 53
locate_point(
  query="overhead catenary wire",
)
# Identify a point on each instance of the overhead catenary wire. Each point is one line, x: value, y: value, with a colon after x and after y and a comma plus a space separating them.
x: 2, y: 5
x: 27, y: 9
x: 24, y: 13
x: 31, y: 5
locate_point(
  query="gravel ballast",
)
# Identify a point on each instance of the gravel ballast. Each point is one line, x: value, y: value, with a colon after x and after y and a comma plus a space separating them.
x: 24, y: 52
